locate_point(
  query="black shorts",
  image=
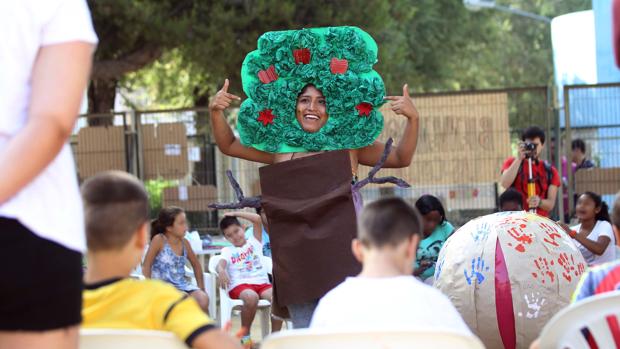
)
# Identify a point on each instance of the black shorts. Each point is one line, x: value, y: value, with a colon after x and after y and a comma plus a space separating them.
x: 40, y: 281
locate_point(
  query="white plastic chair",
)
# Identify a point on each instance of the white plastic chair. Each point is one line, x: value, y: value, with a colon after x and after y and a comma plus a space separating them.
x: 91, y: 338
x: 228, y: 305
x: 209, y: 280
x: 370, y: 339
x: 596, y: 313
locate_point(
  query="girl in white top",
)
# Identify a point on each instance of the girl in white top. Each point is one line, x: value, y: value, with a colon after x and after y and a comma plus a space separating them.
x: 45, y: 59
x: 594, y: 235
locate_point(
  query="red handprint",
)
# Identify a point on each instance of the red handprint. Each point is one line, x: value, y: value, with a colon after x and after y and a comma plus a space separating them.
x: 543, y: 270
x: 521, y: 237
x: 581, y: 268
x: 569, y: 266
x: 552, y: 234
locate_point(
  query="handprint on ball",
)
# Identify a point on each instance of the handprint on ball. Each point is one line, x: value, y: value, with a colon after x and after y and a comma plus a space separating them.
x: 477, y: 269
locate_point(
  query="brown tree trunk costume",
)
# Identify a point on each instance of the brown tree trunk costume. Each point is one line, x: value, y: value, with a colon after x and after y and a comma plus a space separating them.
x: 309, y: 203
x: 312, y: 221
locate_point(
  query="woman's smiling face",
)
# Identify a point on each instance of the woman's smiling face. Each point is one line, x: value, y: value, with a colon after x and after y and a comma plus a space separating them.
x: 311, y: 110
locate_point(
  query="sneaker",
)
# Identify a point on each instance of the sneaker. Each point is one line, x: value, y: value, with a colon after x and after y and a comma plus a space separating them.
x: 246, y: 342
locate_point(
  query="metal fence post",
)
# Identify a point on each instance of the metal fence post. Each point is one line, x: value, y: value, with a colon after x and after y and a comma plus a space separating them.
x: 555, y: 115
x: 130, y: 142
x: 137, y: 119
x: 567, y: 148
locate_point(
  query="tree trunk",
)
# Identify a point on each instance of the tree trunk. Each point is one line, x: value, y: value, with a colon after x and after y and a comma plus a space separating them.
x: 101, y: 97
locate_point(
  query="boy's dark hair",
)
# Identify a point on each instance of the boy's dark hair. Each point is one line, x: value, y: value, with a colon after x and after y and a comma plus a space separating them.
x: 578, y: 144
x: 511, y: 195
x: 115, y: 206
x: 227, y: 221
x: 388, y: 222
x: 428, y: 203
x: 533, y: 132
x: 615, y: 213
x: 603, y: 214
x: 165, y: 219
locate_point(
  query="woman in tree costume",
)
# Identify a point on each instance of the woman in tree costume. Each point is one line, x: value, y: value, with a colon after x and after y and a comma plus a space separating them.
x: 313, y: 98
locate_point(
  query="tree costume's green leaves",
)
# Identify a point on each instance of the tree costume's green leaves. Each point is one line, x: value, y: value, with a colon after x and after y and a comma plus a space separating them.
x: 336, y: 60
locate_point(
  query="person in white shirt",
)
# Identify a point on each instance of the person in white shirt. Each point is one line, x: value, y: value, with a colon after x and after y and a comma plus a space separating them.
x: 594, y: 235
x: 241, y: 270
x: 45, y: 59
x: 386, y: 294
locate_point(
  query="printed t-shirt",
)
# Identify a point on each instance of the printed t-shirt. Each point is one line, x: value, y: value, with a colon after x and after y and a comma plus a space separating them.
x: 244, y: 264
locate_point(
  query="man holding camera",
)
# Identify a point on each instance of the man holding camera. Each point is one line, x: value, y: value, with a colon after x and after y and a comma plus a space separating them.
x: 544, y: 180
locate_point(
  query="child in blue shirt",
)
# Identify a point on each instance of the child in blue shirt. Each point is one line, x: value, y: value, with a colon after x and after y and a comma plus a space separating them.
x: 436, y: 231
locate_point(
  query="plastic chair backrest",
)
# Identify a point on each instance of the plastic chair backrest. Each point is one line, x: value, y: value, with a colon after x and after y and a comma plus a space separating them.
x: 213, y: 262
x: 267, y: 264
x: 211, y: 287
x: 593, y: 319
x: 91, y: 338
x: 371, y: 339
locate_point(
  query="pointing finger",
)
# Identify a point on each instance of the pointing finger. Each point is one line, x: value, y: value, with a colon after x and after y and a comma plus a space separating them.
x: 392, y: 98
x: 232, y: 96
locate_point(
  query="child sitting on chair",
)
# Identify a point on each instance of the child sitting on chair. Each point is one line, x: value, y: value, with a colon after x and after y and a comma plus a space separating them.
x: 168, y: 253
x: 117, y: 230
x: 241, y: 271
x: 385, y: 294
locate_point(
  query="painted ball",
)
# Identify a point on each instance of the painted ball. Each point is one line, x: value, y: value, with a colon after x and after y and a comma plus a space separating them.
x: 507, y: 274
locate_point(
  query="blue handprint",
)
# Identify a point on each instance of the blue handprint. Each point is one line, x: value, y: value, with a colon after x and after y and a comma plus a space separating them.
x: 438, y: 269
x: 477, y: 268
x: 481, y: 233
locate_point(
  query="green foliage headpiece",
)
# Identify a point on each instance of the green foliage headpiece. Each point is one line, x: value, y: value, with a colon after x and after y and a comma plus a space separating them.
x: 338, y: 61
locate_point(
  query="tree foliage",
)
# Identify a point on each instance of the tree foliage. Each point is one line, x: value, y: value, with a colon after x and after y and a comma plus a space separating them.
x: 187, y: 48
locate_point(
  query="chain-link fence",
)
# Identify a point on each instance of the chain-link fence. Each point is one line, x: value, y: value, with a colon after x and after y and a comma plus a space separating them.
x: 464, y: 138
x: 592, y: 114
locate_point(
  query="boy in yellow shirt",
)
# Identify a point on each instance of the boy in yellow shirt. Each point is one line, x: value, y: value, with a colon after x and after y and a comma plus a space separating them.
x: 116, y: 213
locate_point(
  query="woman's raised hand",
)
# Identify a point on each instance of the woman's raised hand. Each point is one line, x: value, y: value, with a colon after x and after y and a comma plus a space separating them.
x: 222, y: 98
x: 403, y: 105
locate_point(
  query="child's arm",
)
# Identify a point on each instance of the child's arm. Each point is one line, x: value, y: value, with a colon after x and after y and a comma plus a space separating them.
x: 222, y: 274
x: 195, y: 265
x: 402, y: 155
x: 224, y: 136
x: 597, y: 247
x: 156, y: 245
x: 257, y: 224
x: 215, y: 339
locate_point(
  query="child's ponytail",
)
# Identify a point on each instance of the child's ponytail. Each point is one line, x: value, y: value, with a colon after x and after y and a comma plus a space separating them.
x: 164, y: 220
x: 603, y: 214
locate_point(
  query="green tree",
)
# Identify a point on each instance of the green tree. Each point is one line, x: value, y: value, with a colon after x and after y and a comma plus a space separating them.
x: 186, y: 48
x: 132, y: 34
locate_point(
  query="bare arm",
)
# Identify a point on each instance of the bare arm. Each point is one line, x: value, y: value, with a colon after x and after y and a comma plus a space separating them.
x: 215, y: 339
x: 546, y: 204
x: 156, y: 245
x: 510, y: 174
x: 401, y: 157
x: 257, y: 224
x: 597, y: 247
x: 222, y: 274
x: 224, y: 136
x: 549, y: 203
x: 57, y: 89
x: 195, y: 265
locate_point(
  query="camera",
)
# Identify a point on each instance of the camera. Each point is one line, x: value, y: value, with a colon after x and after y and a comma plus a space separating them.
x: 530, y: 149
